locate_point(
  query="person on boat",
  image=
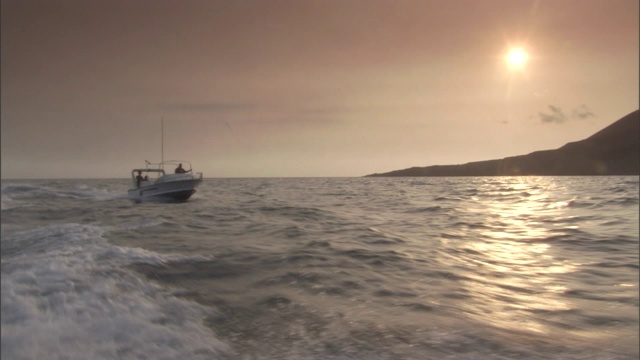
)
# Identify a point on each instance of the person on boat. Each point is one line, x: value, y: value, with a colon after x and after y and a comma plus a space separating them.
x: 180, y: 170
x: 139, y: 178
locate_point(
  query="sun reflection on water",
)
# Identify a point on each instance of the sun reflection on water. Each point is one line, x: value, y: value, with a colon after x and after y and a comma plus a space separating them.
x: 515, y: 273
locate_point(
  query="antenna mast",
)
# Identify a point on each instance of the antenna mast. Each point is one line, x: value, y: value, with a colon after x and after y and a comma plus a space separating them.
x: 162, y: 142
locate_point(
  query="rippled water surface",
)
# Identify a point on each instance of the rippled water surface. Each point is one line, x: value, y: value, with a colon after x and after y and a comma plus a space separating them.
x: 323, y: 268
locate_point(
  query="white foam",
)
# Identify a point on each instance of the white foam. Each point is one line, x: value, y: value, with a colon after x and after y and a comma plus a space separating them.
x: 70, y: 298
x: 7, y: 203
x: 79, y: 191
x: 85, y: 192
x: 9, y: 192
x: 130, y: 255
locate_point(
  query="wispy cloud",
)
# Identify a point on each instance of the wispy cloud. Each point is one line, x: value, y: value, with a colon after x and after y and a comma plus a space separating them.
x: 205, y: 106
x: 556, y: 114
x: 582, y: 112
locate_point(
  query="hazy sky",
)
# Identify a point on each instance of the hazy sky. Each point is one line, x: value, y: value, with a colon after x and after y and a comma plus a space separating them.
x: 305, y: 87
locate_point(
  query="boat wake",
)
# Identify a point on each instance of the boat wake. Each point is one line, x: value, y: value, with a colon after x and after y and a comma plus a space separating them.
x: 66, y: 291
x: 18, y: 194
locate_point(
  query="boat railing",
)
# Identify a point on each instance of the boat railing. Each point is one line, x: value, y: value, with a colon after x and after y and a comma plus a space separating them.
x: 180, y: 177
x: 160, y: 176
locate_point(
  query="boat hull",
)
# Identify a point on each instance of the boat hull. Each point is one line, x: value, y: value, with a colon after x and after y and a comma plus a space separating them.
x: 165, y: 191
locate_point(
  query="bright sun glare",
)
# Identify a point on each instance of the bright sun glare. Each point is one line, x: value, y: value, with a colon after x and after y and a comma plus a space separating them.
x: 516, y: 58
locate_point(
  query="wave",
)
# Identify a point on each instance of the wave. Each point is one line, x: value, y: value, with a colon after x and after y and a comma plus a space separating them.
x: 428, y: 209
x: 65, y: 292
x: 296, y: 213
x: 138, y: 224
x: 16, y: 195
x: 303, y: 274
x: 7, y: 203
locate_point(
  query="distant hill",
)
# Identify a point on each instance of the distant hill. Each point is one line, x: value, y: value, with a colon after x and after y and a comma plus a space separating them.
x: 614, y: 150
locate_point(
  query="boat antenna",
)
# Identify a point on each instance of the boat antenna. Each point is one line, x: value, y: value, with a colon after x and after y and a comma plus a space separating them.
x: 162, y: 142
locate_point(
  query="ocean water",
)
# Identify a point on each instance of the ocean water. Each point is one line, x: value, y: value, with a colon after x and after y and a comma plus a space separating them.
x: 323, y: 268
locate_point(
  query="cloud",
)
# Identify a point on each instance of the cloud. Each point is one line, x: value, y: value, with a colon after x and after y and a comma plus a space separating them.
x: 557, y: 116
x: 205, y: 106
x: 582, y: 112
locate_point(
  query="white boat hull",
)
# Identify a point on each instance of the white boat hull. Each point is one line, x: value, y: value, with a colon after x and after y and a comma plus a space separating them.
x: 173, y: 187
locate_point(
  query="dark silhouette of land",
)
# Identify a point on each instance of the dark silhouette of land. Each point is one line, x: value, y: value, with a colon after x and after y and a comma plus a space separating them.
x: 614, y: 150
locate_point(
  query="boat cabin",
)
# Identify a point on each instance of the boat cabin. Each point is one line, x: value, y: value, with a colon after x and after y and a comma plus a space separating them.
x: 149, y: 176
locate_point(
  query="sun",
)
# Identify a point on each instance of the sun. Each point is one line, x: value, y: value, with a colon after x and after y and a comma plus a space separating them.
x: 516, y: 58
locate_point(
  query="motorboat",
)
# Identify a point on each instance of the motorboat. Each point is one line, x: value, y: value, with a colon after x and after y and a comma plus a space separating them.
x: 153, y: 183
